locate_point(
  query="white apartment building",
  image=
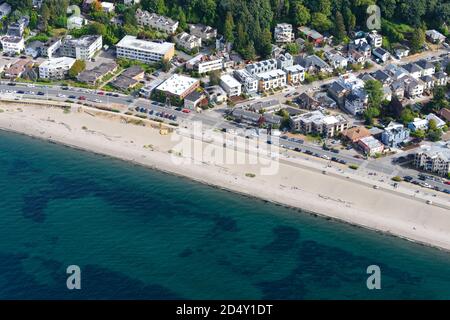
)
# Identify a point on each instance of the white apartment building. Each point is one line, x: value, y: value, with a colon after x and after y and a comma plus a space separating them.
x: 249, y: 82
x: 204, y: 63
x: 154, y: 21
x: 83, y: 48
x: 271, y: 80
x: 284, y: 33
x: 55, y: 68
x: 231, y: 86
x: 49, y: 48
x: 414, y: 88
x: 285, y: 60
x: 145, y: 51
x: 434, y: 158
x: 187, y: 41
x: 356, y: 102
x: 12, y: 44
x: 262, y: 66
x: 317, y: 122
x: 295, y: 74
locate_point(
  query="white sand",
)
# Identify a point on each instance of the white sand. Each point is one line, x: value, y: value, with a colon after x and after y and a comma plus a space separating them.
x: 298, y: 182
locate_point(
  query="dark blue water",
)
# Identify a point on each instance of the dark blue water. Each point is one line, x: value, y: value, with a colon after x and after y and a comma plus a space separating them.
x: 138, y: 233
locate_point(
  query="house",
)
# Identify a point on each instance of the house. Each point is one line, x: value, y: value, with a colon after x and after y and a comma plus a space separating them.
x: 317, y: 122
x: 92, y: 76
x: 315, y: 64
x: 438, y: 121
x: 295, y: 74
x: 413, y: 87
x: 216, y: 94
x: 337, y: 61
x: 338, y: 92
x: 356, y: 103
x: 262, y: 106
x: 427, y: 67
x: 206, y: 33
x: 434, y: 158
x: 398, y: 89
x: 382, y: 76
x: 387, y: 93
x: 17, y: 28
x: 284, y: 61
x: 434, y: 36
x: 381, y: 54
x: 17, y: 68
x: 418, y: 124
x: 370, y: 145
x: 401, y: 51
x: 396, y: 72
x: 284, y: 33
x: 312, y: 35
x: 354, y: 134
x: 441, y: 78
x: 262, y: 66
x: 305, y: 101
x: 366, y: 77
x: 248, y: 81
x: 428, y: 82
x: 33, y: 49
x: 356, y: 57
x: 129, y: 78
x: 413, y: 69
x: 254, y: 118
x: 107, y: 7
x: 362, y: 46
x: 187, y: 41
x: 195, y: 99
x: 375, y: 39
x: 75, y: 22
x: 231, y: 86
x: 394, y: 135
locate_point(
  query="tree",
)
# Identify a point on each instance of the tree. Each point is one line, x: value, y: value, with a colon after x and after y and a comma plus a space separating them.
x: 374, y: 90
x: 420, y: 134
x: 292, y: 48
x: 417, y: 40
x: 228, y: 28
x: 76, y: 68
x: 350, y: 19
x: 320, y: 22
x: 339, y: 27
x: 266, y: 43
x: 301, y: 14
x: 214, y: 78
x: 370, y: 113
x: 407, y: 116
x: 158, y: 6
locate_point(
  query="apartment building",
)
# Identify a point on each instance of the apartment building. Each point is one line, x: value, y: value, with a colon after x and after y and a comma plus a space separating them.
x: 295, y: 74
x: 50, y: 47
x: 262, y: 66
x: 83, y: 48
x: 284, y: 33
x: 231, y: 86
x: 55, y: 68
x: 317, y: 122
x: 375, y: 39
x: 12, y: 44
x: 154, y: 21
x: 145, y: 51
x: 178, y: 86
x: 249, y: 82
x: 205, y: 63
x: 434, y: 158
x: 285, y: 60
x: 271, y: 80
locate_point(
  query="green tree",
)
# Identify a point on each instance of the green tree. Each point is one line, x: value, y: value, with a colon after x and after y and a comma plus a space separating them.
x: 339, y: 26
x: 374, y: 90
x: 320, y: 22
x: 407, y: 116
x: 301, y: 15
x: 266, y: 43
x: 228, y: 28
x: 417, y: 40
x: 76, y: 68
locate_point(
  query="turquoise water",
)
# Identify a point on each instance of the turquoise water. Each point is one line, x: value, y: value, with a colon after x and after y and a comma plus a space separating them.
x: 138, y: 233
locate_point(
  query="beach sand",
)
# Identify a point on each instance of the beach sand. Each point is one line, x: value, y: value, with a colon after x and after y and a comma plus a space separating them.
x: 340, y: 194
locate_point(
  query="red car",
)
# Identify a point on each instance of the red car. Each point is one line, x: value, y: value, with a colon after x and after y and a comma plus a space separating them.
x: 447, y: 182
x: 100, y: 93
x: 186, y: 110
x: 82, y: 98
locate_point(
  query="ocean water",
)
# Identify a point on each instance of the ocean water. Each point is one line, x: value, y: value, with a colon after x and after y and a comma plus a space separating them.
x: 142, y: 234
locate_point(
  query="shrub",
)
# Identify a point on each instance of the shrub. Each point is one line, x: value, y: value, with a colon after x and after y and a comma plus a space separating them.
x: 353, y: 166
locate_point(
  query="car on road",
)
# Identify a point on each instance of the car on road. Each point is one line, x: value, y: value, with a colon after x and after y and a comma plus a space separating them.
x: 60, y: 95
x: 342, y: 161
x: 64, y: 88
x: 324, y: 156
x: 101, y: 93
x: 11, y: 84
x: 447, y: 191
x: 40, y: 93
x: 81, y: 98
x: 72, y: 96
x: 186, y: 111
x: 408, y: 178
x: 424, y: 185
x: 20, y: 91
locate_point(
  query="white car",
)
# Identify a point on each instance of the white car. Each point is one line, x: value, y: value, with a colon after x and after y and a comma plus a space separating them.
x: 326, y: 157
x: 60, y: 95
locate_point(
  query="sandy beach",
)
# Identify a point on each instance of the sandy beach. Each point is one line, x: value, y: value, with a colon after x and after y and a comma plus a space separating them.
x: 298, y: 182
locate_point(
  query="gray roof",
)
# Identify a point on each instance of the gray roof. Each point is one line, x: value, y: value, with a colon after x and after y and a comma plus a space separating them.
x: 412, y: 67
x: 425, y: 64
x: 380, y: 75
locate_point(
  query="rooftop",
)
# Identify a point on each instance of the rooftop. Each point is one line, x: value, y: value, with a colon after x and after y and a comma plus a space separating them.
x: 230, y: 81
x: 177, y: 84
x: 144, y: 45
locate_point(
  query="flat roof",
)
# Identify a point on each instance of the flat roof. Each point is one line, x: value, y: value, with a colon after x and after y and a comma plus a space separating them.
x: 58, y: 62
x: 144, y: 45
x: 177, y: 84
x: 230, y: 81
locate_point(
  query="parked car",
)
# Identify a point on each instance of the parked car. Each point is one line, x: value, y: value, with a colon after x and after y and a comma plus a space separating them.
x: 40, y: 93
x: 408, y: 178
x: 186, y: 111
x: 82, y: 98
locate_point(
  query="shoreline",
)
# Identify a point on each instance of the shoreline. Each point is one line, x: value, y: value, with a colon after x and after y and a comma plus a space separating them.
x: 159, y: 162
